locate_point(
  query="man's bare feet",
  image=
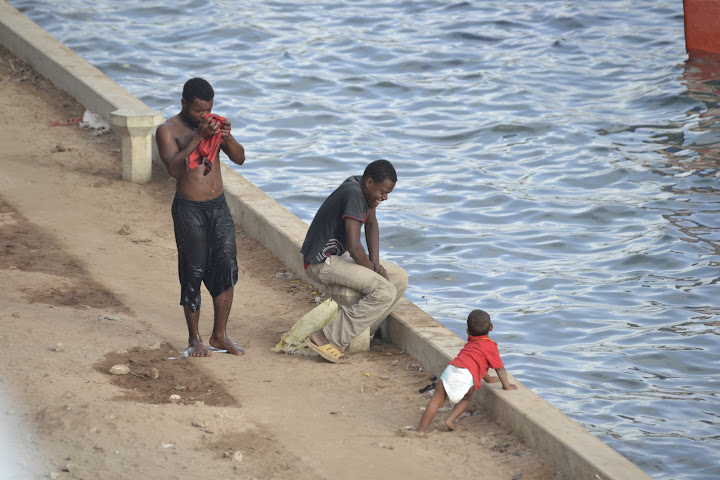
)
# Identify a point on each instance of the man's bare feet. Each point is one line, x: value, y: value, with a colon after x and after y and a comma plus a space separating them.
x: 196, y: 348
x: 226, y: 344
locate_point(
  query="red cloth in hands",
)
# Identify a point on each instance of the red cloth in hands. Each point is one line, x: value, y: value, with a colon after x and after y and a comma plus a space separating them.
x: 206, y: 152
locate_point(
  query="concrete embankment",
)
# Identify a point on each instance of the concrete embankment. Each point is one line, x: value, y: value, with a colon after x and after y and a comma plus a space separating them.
x: 557, y: 438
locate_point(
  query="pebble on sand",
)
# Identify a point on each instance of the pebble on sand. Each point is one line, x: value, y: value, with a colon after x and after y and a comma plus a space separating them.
x: 199, y: 422
x: 59, y: 347
x: 237, y: 456
x: 119, y: 369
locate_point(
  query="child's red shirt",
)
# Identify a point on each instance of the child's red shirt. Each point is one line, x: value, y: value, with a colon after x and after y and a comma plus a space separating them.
x: 478, y: 355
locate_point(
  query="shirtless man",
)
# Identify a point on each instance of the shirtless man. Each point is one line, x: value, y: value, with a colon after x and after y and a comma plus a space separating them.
x: 204, y: 229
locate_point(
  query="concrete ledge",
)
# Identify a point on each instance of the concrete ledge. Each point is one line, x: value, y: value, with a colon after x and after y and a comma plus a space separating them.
x: 88, y: 85
x: 267, y: 221
x: 574, y: 451
x: 555, y: 436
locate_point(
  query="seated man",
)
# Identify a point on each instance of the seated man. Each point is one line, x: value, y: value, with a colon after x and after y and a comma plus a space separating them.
x: 334, y: 255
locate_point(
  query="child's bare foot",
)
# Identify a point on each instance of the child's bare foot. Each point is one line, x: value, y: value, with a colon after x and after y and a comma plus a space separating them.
x: 197, y: 349
x: 411, y: 432
x: 226, y: 344
x: 452, y: 426
x: 406, y: 432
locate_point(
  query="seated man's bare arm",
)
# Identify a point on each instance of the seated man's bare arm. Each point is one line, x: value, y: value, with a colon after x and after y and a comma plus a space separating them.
x: 354, y: 246
x: 372, y: 238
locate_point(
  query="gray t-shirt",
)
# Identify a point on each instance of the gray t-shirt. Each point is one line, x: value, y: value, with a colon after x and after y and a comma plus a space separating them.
x: 326, y: 235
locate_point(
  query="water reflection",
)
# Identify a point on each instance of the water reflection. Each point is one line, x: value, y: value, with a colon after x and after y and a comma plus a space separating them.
x: 695, y: 149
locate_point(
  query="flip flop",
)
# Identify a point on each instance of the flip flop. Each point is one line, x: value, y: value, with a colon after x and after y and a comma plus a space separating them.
x: 327, y: 351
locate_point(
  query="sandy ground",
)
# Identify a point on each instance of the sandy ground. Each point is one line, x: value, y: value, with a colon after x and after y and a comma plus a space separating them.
x: 88, y: 279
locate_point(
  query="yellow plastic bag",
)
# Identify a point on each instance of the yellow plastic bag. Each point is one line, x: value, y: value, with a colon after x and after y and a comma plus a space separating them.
x: 293, y: 341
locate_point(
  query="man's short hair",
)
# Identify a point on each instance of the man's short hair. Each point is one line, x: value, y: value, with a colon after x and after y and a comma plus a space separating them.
x: 478, y: 323
x: 197, y: 88
x: 379, y: 171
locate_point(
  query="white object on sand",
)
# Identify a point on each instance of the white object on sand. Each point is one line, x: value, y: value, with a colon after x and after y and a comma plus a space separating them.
x: 94, y: 122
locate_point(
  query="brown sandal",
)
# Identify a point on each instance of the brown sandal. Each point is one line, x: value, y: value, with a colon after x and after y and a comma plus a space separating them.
x: 327, y: 351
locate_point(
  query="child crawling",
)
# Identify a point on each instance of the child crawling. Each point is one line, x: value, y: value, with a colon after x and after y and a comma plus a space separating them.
x: 463, y: 375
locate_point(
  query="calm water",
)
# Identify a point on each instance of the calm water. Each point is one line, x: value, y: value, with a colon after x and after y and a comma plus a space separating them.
x: 557, y: 160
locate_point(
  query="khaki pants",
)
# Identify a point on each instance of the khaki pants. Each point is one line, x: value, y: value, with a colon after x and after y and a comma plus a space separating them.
x: 379, y: 295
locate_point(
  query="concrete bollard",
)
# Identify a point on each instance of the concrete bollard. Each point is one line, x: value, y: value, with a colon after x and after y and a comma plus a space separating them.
x: 136, y: 127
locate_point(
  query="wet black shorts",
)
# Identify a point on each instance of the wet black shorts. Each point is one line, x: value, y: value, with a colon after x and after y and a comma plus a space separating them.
x: 205, y: 237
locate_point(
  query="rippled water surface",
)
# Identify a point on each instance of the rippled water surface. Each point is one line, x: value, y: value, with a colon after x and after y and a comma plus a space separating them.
x: 557, y: 162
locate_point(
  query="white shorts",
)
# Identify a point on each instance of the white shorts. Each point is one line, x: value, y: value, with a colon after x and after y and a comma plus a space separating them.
x: 457, y: 382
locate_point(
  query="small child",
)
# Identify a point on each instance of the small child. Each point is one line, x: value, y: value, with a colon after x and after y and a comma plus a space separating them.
x: 463, y: 375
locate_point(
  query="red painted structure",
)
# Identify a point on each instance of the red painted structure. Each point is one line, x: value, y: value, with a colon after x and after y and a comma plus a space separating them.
x: 702, y: 25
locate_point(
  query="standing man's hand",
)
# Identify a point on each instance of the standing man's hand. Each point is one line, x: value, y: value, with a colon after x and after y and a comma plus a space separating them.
x: 225, y: 132
x: 231, y: 147
x: 208, y: 128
